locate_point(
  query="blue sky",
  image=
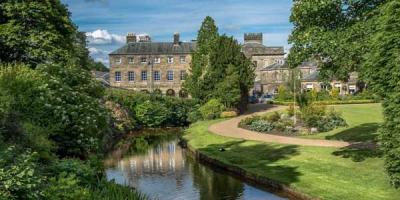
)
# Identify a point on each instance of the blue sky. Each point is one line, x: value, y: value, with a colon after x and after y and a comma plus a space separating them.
x: 108, y: 21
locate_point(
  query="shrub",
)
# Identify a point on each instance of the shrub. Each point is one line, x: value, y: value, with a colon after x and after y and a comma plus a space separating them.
x: 19, y: 177
x: 212, y: 109
x: 274, y: 117
x: 111, y: 191
x: 65, y: 187
x: 228, y: 114
x: 151, y: 114
x: 195, y: 116
x: 82, y: 171
x: 249, y: 120
x: 261, y: 126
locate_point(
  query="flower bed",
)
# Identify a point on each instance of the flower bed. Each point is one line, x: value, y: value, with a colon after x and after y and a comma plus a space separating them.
x: 309, y: 120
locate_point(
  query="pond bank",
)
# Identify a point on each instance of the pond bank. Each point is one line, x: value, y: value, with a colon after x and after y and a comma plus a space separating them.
x: 316, y: 172
x: 157, y: 166
x: 273, y: 185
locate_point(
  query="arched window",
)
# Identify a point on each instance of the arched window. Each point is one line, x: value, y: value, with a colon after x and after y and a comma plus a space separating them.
x: 170, y: 92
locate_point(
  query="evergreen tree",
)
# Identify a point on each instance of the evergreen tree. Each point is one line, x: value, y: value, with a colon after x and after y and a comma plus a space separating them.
x: 206, y: 38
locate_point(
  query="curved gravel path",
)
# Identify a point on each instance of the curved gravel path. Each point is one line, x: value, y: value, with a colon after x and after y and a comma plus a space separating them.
x: 229, y: 128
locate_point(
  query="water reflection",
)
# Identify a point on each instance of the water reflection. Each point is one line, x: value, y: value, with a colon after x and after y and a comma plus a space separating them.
x: 160, y: 168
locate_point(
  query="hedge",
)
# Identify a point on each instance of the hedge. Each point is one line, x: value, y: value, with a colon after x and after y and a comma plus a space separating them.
x: 334, y: 102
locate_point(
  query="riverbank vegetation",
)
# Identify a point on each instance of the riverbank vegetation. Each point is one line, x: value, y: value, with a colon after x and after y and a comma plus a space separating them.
x: 355, y: 36
x: 325, y: 173
x: 53, y: 122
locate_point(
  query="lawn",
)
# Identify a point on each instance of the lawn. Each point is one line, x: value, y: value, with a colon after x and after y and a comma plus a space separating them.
x: 363, y: 121
x: 326, y: 173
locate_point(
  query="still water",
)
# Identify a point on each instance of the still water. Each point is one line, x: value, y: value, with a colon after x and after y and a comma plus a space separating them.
x: 157, y: 166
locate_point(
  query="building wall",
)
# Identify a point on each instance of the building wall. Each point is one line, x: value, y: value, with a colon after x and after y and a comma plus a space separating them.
x: 137, y: 67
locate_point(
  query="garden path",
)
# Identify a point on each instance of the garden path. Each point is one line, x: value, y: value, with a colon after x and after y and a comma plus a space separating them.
x: 229, y: 128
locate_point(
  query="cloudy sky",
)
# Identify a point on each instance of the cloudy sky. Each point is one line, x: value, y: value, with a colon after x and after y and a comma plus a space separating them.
x: 106, y: 22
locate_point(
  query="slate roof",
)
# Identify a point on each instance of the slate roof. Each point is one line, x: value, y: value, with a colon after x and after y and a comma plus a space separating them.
x: 275, y: 66
x: 311, y: 77
x: 253, y: 48
x: 160, y: 48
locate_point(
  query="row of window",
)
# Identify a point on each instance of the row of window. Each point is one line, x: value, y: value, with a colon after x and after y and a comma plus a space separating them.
x: 156, y: 76
x: 143, y: 60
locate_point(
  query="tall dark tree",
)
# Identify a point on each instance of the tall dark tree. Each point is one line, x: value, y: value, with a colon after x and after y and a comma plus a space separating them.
x: 219, y: 69
x: 206, y: 38
x: 363, y: 36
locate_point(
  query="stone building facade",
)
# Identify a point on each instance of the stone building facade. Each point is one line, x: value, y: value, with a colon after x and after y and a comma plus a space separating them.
x: 143, y: 65
x: 352, y: 86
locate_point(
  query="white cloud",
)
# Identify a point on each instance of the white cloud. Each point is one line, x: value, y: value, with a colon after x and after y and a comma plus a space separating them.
x: 103, y: 37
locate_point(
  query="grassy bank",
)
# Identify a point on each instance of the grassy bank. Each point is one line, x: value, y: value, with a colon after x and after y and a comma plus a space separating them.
x: 326, y: 173
x: 363, y: 121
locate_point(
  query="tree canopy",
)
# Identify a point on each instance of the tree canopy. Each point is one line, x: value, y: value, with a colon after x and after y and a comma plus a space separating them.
x: 219, y: 70
x: 361, y: 36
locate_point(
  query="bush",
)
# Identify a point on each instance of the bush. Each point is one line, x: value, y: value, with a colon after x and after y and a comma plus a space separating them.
x: 65, y: 187
x: 274, y: 117
x: 84, y: 172
x: 19, y: 177
x: 111, y: 191
x: 229, y: 114
x: 261, y: 126
x: 212, y: 109
x: 249, y: 120
x: 151, y: 114
x: 195, y: 116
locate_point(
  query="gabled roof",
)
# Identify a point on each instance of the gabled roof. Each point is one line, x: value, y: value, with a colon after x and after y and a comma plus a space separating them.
x: 253, y: 48
x: 275, y: 66
x: 161, y: 48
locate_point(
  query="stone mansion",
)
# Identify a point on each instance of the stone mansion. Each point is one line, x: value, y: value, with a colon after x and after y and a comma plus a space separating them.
x: 144, y: 65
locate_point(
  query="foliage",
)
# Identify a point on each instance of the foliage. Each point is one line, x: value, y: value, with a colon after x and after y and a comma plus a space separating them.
x: 175, y: 111
x: 19, y: 176
x: 347, y: 36
x: 111, y: 191
x: 228, y: 114
x: 261, y: 126
x: 212, y: 109
x: 283, y: 94
x: 65, y: 187
x: 219, y: 69
x: 249, y: 120
x: 195, y: 116
x: 335, y: 93
x: 152, y: 114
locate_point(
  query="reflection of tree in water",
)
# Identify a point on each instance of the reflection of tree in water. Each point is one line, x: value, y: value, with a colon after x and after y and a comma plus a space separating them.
x: 213, y: 185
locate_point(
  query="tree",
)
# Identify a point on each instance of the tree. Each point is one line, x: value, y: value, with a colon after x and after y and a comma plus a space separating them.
x: 206, y: 38
x: 219, y: 69
x: 363, y: 36
x: 382, y: 67
x: 34, y: 32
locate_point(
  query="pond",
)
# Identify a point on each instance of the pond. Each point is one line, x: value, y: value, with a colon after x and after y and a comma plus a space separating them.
x: 159, y: 167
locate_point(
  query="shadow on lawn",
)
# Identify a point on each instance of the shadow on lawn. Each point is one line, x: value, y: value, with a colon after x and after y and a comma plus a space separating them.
x: 361, y: 133
x: 259, y: 158
x: 363, y: 138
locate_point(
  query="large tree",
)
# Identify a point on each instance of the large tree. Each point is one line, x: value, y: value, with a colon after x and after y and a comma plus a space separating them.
x: 355, y: 35
x: 219, y: 69
x: 206, y: 38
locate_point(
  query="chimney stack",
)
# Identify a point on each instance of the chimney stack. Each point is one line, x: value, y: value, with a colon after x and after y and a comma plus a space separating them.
x: 130, y: 38
x: 176, y: 39
x: 253, y: 38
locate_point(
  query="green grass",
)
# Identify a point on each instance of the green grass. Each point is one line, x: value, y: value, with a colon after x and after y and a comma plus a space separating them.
x: 326, y: 173
x: 363, y: 121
